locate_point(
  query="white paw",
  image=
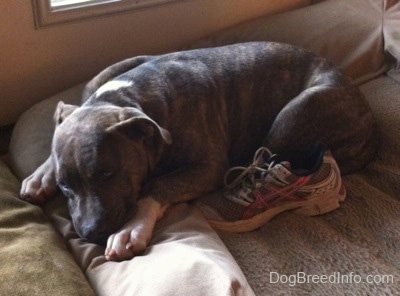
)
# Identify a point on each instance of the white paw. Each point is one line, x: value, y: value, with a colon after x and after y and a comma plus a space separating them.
x: 135, y: 236
x: 127, y: 243
x: 41, y: 185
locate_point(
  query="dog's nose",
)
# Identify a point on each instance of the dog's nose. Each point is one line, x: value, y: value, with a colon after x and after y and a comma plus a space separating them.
x: 97, y: 237
x: 92, y: 233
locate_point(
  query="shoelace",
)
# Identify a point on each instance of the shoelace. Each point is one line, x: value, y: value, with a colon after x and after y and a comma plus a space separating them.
x: 247, y: 180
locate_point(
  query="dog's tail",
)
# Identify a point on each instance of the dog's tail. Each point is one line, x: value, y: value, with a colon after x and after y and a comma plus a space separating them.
x: 110, y: 73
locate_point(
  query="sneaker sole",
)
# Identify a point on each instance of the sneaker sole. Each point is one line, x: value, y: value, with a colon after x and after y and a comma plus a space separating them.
x: 312, y: 207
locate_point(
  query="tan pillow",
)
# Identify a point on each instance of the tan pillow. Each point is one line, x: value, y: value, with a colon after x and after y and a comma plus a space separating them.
x: 185, y: 257
x: 348, y: 33
x: 34, y: 259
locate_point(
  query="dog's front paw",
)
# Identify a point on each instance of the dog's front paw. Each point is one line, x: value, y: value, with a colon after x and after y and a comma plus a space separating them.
x: 134, y: 237
x: 41, y: 185
x: 127, y: 243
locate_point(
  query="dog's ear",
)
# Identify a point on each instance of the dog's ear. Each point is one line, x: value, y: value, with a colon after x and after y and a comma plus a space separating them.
x: 62, y: 112
x: 142, y: 128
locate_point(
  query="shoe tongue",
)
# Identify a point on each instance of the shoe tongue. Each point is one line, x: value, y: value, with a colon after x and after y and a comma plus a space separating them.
x: 286, y: 164
x: 280, y: 169
x: 279, y: 173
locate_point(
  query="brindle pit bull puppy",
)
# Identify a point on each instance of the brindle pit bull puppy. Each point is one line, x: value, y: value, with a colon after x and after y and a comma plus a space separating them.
x: 158, y: 130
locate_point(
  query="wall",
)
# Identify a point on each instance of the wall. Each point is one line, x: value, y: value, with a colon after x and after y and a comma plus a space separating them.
x: 35, y: 64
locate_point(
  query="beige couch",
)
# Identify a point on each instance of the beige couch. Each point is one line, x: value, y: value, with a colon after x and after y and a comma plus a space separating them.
x: 40, y: 253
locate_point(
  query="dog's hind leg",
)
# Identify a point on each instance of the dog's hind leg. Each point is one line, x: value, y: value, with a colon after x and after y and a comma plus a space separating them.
x: 336, y: 116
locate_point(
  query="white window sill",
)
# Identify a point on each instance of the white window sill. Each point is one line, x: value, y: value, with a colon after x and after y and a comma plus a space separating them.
x: 46, y: 15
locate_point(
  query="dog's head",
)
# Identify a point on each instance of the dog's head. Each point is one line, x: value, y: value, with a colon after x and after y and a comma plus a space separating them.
x: 101, y: 157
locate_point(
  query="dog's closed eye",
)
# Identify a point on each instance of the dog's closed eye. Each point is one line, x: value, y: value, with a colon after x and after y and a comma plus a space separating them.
x: 104, y: 175
x: 107, y: 175
x: 66, y: 190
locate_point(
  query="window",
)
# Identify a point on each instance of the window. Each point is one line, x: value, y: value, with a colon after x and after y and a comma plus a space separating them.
x: 51, y: 12
x: 59, y: 3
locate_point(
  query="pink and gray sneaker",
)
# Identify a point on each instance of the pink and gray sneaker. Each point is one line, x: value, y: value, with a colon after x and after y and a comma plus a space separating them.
x: 308, y: 184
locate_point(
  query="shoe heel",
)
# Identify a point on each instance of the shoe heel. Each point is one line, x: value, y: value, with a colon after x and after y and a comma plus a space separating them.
x: 322, y: 204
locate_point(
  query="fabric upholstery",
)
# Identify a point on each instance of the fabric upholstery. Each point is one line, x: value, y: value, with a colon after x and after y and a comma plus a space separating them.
x: 34, y: 259
x: 391, y: 32
x: 348, y: 33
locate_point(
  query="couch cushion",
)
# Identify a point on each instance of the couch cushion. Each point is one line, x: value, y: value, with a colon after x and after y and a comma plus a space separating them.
x: 348, y: 33
x: 34, y: 260
x: 391, y: 31
x: 35, y: 128
x: 185, y: 257
x: 391, y: 27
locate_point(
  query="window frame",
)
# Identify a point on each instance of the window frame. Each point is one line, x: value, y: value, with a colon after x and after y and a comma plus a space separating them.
x: 45, y: 15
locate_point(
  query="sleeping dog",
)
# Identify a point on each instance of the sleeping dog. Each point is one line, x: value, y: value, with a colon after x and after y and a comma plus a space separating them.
x: 153, y: 131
